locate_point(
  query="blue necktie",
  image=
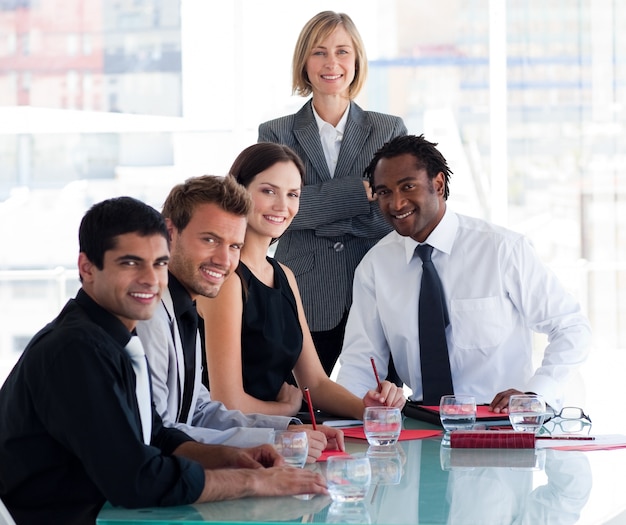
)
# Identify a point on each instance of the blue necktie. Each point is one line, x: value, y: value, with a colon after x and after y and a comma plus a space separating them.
x: 433, y: 319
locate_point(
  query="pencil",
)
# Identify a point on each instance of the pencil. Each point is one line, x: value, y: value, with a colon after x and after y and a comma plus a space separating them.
x: 380, y: 387
x: 573, y: 438
x: 311, y: 411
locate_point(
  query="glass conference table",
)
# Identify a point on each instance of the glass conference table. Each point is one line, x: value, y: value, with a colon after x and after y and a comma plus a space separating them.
x: 425, y: 482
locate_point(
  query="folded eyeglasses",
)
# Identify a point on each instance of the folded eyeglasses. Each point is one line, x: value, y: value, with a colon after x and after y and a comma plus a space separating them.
x: 569, y: 420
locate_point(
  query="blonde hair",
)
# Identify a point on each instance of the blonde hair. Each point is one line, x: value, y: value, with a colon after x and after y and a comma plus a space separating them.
x: 315, y: 31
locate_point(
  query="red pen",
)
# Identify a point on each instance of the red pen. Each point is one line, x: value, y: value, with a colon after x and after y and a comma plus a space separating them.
x: 307, y: 394
x: 380, y: 387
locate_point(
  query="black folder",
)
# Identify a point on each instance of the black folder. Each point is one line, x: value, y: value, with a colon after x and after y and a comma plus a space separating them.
x: 416, y: 410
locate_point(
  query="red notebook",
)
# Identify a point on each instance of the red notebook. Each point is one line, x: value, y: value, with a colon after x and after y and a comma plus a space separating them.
x: 405, y: 434
x: 491, y: 439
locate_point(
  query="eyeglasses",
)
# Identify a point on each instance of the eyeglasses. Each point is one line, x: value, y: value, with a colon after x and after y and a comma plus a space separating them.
x: 570, y: 420
x: 568, y: 413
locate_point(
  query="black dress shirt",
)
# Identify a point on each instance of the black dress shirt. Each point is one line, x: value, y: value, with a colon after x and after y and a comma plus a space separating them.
x: 70, y: 437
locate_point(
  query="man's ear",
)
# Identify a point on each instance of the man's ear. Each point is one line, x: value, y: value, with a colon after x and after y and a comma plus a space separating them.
x: 85, y: 268
x: 439, y: 183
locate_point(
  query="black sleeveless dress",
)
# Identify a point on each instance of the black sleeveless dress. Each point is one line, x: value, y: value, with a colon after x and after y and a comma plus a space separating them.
x: 271, y: 336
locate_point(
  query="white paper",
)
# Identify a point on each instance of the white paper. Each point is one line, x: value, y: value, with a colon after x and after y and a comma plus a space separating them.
x: 599, y: 441
x: 340, y: 423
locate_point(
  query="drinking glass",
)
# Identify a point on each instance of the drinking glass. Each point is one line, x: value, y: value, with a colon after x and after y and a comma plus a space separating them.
x: 293, y: 446
x: 382, y: 425
x: 527, y: 412
x: 348, y: 477
x: 457, y: 412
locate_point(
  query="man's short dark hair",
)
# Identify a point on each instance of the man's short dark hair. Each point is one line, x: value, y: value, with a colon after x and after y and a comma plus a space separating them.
x: 105, y: 220
x: 427, y: 157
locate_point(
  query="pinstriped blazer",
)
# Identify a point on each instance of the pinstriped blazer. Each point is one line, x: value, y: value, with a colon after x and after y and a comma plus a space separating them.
x: 336, y: 224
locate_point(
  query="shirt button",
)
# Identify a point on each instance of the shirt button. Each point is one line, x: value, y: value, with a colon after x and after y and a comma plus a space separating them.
x: 338, y: 246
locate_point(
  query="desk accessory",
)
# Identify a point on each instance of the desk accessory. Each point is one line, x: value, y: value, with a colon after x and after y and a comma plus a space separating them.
x: 311, y: 411
x: 430, y: 414
x: 491, y: 439
x: 379, y: 386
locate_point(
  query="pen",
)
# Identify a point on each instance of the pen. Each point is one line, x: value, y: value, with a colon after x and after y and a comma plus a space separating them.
x: 311, y: 411
x: 573, y: 438
x: 376, y: 374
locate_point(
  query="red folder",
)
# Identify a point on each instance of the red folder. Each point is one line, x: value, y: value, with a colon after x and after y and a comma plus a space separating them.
x: 491, y: 439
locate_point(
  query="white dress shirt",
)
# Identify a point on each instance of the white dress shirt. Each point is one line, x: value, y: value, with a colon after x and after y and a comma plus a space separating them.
x: 331, y: 137
x: 497, y: 293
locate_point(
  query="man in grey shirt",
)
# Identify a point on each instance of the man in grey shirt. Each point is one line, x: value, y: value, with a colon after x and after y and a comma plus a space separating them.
x: 206, y: 220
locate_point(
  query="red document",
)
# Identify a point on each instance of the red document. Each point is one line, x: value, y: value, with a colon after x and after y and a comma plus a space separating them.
x: 405, y: 434
x: 491, y: 439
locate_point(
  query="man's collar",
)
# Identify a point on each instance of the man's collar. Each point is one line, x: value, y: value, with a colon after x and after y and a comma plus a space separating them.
x: 103, y: 318
x: 441, y: 238
x: 180, y: 296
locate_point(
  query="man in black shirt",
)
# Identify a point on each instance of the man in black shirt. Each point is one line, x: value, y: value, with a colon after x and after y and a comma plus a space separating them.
x: 71, y: 434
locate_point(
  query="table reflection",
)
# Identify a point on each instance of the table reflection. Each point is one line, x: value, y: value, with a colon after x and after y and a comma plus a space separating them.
x: 505, y: 495
x: 262, y: 509
x: 419, y: 482
x: 349, y: 512
x: 387, y: 464
x: 485, y: 487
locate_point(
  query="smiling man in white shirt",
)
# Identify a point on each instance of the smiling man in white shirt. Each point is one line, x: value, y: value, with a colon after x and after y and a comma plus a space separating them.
x: 496, y: 290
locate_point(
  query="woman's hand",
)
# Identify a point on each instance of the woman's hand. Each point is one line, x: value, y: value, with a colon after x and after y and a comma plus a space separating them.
x: 390, y: 395
x: 291, y: 396
x: 324, y: 438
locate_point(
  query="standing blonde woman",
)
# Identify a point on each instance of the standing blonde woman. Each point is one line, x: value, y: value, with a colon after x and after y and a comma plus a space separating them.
x: 338, y: 221
x: 256, y: 331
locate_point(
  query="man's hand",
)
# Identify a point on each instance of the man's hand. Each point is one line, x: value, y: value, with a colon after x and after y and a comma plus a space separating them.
x: 321, y: 439
x: 239, y: 472
x: 500, y: 403
x: 390, y: 395
x: 262, y: 456
x: 276, y: 481
x: 258, y: 457
x: 283, y: 481
x: 223, y: 456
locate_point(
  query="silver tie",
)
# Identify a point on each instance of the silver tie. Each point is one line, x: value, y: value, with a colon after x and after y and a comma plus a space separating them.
x: 134, y: 349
